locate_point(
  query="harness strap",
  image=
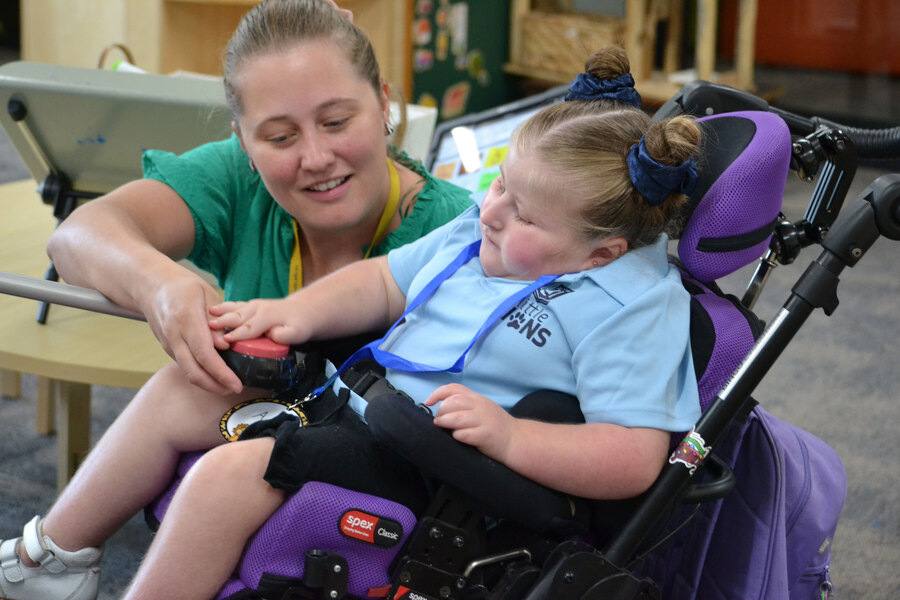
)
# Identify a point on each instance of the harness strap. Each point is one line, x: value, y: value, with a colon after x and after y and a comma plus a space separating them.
x: 368, y: 383
x: 9, y: 561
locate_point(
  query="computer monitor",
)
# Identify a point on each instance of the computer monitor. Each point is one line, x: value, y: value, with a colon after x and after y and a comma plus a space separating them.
x: 468, y: 151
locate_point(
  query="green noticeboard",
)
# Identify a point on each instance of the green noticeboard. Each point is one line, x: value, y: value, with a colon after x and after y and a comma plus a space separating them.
x: 458, y: 51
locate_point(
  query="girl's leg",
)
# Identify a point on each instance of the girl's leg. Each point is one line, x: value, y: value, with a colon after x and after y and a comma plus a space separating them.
x: 221, y: 503
x: 136, y: 458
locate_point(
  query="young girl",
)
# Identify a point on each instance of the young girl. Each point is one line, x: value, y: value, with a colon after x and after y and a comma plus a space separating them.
x: 558, y: 281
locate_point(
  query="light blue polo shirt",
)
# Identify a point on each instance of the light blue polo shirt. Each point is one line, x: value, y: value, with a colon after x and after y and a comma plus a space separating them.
x: 616, y: 337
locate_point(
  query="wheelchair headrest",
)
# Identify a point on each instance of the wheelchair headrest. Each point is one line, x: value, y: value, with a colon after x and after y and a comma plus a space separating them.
x: 729, y: 219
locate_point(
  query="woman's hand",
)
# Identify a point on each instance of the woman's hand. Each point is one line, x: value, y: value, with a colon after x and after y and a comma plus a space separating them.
x: 178, y: 315
x: 126, y: 245
x: 276, y: 319
x: 474, y: 419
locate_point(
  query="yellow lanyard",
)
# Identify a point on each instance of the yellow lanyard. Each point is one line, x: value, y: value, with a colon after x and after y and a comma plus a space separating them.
x: 296, y: 274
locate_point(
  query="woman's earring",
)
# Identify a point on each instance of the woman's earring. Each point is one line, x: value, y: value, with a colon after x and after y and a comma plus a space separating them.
x: 388, y: 128
x: 252, y: 166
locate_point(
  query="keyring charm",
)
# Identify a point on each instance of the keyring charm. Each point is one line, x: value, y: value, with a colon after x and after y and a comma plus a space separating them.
x: 310, y: 396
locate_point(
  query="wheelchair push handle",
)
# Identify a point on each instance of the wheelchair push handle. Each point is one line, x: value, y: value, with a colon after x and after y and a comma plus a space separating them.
x: 870, y: 143
x: 703, y: 98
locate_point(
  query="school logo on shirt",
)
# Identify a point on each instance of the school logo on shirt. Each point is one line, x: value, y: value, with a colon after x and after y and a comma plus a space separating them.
x: 547, y: 293
x: 529, y: 316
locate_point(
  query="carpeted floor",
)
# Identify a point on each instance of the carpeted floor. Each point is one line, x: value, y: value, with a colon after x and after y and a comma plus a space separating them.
x: 838, y: 379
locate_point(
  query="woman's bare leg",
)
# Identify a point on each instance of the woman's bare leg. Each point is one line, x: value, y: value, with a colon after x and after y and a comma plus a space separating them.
x: 220, y: 504
x: 136, y: 458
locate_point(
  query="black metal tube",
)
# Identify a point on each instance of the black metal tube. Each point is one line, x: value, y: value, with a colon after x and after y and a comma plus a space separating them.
x: 870, y: 143
x: 675, y: 476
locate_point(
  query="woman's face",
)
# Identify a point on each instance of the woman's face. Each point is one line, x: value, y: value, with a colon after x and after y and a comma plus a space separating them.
x: 315, y: 131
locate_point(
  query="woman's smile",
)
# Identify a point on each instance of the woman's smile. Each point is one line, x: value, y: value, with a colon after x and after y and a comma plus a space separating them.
x: 328, y: 185
x: 330, y: 190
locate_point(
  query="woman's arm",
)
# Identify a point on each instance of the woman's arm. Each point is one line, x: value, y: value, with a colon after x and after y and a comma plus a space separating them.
x: 122, y: 242
x: 126, y: 244
x: 591, y: 460
x: 358, y: 298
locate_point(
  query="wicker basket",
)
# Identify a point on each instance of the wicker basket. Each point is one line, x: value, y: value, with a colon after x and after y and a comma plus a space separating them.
x: 561, y: 43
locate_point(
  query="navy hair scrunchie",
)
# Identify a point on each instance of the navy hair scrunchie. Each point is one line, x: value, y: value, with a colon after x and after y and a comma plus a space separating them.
x: 587, y: 87
x: 655, y: 181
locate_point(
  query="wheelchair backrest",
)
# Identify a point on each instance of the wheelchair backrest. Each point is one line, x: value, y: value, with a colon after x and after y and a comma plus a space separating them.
x: 727, y: 224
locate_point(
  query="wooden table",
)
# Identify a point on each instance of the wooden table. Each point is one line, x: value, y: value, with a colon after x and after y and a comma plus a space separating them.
x: 74, y: 349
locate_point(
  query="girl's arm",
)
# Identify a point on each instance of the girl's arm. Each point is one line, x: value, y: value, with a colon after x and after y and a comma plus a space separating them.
x: 358, y: 298
x: 126, y: 244
x: 591, y: 460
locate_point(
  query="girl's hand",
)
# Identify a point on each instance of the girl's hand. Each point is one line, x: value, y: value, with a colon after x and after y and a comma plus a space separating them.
x: 474, y: 419
x: 247, y: 320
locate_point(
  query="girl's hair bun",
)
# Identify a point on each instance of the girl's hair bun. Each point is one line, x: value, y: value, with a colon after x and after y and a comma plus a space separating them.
x: 608, y: 62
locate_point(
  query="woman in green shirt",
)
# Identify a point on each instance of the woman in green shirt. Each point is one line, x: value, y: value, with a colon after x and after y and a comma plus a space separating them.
x: 305, y: 186
x: 310, y: 116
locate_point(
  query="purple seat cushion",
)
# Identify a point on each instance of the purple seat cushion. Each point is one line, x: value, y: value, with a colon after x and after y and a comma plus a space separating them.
x: 365, y: 530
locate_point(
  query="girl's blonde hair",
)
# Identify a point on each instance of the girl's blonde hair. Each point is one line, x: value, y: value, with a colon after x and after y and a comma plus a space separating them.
x: 276, y: 25
x: 584, y: 144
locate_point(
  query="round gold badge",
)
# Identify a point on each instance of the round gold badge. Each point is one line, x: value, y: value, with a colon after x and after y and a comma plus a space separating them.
x: 239, y: 417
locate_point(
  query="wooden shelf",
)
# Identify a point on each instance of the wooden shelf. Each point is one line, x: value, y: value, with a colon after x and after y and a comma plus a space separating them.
x: 165, y: 36
x: 640, y: 41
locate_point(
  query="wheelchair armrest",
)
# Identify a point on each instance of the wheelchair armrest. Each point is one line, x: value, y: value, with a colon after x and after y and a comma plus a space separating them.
x: 490, y: 487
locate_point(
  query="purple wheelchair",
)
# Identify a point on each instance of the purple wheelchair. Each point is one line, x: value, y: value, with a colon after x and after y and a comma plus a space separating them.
x: 740, y: 473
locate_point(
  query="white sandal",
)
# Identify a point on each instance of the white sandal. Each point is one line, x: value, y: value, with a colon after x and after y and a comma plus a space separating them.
x: 62, y: 575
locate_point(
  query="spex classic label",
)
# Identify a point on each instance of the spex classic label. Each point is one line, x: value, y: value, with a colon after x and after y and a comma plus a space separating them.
x: 366, y: 527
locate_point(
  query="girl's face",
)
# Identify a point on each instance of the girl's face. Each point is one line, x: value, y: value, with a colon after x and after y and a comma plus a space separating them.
x: 315, y: 131
x: 531, y: 229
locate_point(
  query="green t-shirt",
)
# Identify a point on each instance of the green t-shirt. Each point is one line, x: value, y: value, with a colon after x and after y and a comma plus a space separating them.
x: 244, y: 238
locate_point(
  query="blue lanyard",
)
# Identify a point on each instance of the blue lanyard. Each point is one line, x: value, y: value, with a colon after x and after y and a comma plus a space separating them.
x: 392, y: 361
